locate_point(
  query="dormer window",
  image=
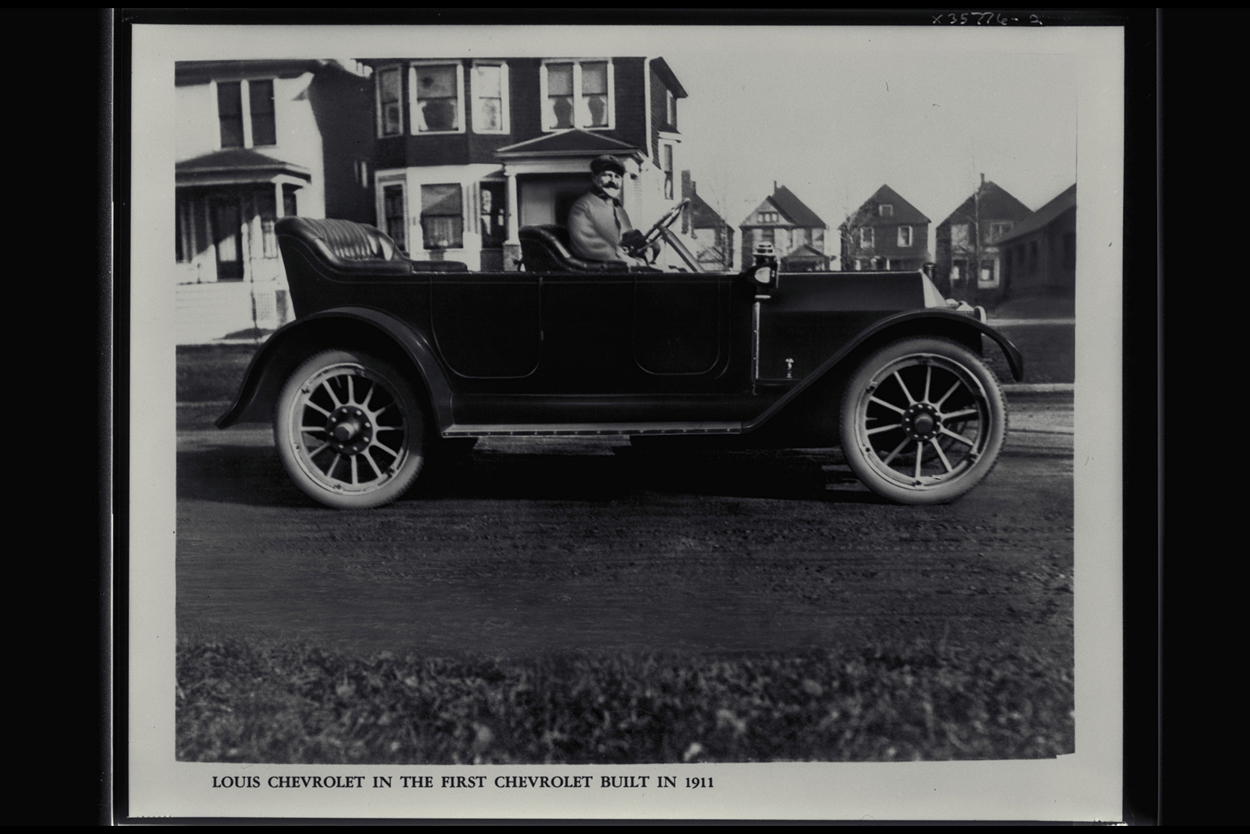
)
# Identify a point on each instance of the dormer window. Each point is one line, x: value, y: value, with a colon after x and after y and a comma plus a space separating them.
x: 250, y: 126
x: 577, y: 94
x: 885, y: 210
x: 769, y: 217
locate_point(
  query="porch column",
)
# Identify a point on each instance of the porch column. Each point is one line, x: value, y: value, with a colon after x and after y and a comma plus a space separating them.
x: 512, y: 246
x: 277, y: 199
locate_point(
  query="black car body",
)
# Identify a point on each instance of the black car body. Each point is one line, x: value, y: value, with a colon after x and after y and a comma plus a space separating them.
x: 391, y: 360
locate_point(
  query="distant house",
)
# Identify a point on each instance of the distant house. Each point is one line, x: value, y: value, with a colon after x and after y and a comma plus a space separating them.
x: 471, y: 149
x: 886, y: 232
x: 969, y: 262
x: 796, y: 232
x: 712, y: 237
x: 1040, y: 252
x: 256, y: 141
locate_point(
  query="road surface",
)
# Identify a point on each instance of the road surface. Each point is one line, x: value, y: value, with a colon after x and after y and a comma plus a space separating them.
x: 535, y: 545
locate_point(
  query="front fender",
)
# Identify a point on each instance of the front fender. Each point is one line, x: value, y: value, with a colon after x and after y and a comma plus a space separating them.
x: 927, y: 322
x: 342, y: 327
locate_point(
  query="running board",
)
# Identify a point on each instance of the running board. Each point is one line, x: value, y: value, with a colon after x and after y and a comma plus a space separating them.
x: 602, y: 429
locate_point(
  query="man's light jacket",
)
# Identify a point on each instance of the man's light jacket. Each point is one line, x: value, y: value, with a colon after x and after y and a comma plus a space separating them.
x: 596, y: 223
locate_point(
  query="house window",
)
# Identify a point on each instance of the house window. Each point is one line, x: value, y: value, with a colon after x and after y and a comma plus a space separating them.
x: 666, y: 163
x: 230, y: 113
x: 490, y: 100
x: 362, y: 172
x: 959, y: 235
x: 997, y: 230
x: 438, y: 100
x: 248, y: 127
x: 866, y: 237
x: 885, y: 210
x: 394, y: 215
x: 267, y: 208
x: 670, y: 108
x: 904, y: 236
x: 390, y: 119
x: 577, y: 94
x: 184, y: 229
x: 798, y: 237
x: 260, y: 99
x: 769, y: 217
x: 442, y: 223
x: 288, y: 201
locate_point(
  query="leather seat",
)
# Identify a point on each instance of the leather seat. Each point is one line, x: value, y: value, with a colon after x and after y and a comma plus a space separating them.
x: 547, y: 249
x: 346, y: 246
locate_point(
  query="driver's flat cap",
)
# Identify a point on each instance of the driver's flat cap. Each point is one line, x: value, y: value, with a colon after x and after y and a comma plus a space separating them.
x: 607, y: 163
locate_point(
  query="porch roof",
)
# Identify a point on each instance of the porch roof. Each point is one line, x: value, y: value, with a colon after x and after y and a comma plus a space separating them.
x: 236, y: 165
x: 569, y: 143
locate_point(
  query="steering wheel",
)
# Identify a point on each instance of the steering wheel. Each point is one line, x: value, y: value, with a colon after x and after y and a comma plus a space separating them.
x: 653, y: 234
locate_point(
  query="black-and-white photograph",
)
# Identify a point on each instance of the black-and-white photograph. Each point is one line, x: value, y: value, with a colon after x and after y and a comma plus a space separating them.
x: 626, y: 421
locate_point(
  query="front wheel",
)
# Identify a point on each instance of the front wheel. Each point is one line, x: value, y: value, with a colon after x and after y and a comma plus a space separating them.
x: 923, y: 421
x: 350, y: 430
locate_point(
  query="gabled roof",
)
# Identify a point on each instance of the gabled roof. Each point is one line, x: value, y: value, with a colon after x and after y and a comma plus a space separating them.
x: 703, y: 216
x: 240, y: 164
x: 1065, y: 201
x: 795, y: 209
x: 572, y: 142
x: 790, y: 207
x: 996, y: 204
x: 663, y: 70
x: 201, y: 72
x: 904, y: 212
x: 806, y: 252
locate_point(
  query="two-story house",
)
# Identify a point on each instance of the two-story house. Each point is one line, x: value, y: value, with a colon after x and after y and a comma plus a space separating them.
x: 712, y: 237
x: 886, y: 232
x: 468, y: 150
x: 969, y: 263
x: 1039, y: 254
x: 255, y: 141
x: 796, y: 233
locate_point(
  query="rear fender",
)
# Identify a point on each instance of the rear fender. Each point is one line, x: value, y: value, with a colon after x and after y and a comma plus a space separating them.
x: 942, y: 323
x: 362, y: 328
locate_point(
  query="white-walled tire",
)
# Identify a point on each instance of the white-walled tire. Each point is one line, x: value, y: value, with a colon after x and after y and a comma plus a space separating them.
x: 923, y: 421
x: 350, y: 431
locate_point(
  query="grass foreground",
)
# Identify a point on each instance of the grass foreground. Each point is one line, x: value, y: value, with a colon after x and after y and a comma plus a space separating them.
x: 238, y: 702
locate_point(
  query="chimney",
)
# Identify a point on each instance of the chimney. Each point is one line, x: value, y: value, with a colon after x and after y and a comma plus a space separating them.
x: 774, y: 185
x: 983, y: 180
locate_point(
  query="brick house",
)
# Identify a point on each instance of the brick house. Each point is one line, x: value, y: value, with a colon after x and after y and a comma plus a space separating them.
x: 886, y: 232
x: 1040, y: 252
x: 796, y: 232
x: 468, y: 150
x: 969, y: 262
x: 712, y: 237
x: 255, y: 141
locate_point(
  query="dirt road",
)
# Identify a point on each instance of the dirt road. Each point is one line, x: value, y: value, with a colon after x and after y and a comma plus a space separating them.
x: 533, y: 545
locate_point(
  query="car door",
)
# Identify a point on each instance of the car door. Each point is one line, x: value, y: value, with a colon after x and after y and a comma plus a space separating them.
x: 487, y: 325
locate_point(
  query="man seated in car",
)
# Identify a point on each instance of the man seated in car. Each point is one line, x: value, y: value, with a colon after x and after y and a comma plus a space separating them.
x: 599, y: 227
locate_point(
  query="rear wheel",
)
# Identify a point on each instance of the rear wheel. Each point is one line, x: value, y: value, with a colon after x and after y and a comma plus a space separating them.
x: 923, y: 421
x: 350, y: 430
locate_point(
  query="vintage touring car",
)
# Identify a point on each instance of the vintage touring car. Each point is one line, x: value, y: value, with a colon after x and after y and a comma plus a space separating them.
x: 390, y: 362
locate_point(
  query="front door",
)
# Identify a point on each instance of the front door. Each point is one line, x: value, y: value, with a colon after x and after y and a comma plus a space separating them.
x: 227, y: 218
